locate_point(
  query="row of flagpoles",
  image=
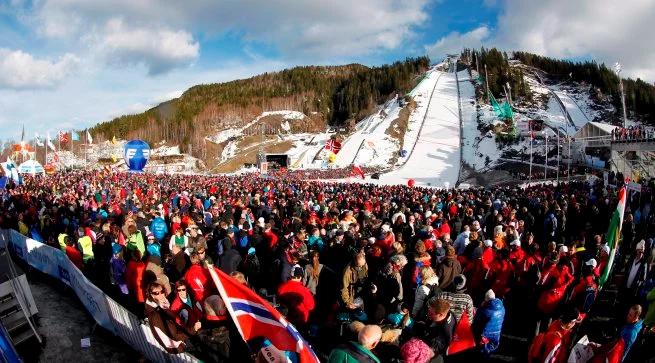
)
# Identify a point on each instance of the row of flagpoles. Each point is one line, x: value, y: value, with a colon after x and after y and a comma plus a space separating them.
x: 63, y: 137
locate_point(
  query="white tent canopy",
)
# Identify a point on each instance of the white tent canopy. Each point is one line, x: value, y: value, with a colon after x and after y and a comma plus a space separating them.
x: 31, y: 167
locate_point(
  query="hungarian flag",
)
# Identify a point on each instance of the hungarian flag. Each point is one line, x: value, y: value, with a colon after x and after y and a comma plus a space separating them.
x: 613, y: 235
x: 254, y: 318
x: 333, y: 145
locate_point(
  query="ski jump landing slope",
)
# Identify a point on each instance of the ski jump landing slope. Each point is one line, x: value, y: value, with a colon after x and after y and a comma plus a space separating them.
x: 578, y: 116
x: 435, y: 160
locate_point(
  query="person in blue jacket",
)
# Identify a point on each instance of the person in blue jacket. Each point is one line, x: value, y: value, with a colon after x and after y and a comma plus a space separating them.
x: 631, y: 329
x: 158, y: 227
x: 488, y: 323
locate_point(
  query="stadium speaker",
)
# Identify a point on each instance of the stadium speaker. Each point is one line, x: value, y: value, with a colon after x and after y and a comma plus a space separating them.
x: 375, y: 176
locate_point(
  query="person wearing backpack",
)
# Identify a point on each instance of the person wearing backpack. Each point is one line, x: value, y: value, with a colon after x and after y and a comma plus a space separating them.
x: 429, y: 288
x: 552, y: 346
x: 584, y: 293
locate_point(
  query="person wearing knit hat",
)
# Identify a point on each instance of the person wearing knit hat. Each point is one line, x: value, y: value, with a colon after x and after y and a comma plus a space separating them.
x: 416, y: 351
x: 637, y: 268
x: 488, y: 323
x: 459, y: 300
x: 448, y: 268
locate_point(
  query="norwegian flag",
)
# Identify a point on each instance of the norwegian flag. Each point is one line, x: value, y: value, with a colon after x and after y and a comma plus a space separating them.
x: 255, y: 317
x: 333, y: 145
x: 63, y: 137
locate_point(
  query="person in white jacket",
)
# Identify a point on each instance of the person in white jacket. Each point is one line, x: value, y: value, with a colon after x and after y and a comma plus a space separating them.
x: 429, y: 281
x: 462, y: 241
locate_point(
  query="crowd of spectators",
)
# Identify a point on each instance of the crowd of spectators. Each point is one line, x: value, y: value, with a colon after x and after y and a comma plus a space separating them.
x: 366, y: 273
x: 633, y: 133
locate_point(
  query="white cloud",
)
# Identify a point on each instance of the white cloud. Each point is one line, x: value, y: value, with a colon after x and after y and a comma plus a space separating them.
x: 20, y: 70
x: 326, y: 30
x: 455, y: 42
x: 84, y: 101
x: 606, y: 30
x: 160, y: 50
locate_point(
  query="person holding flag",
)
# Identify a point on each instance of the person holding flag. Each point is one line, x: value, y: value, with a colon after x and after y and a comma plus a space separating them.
x: 613, y: 235
x: 255, y: 318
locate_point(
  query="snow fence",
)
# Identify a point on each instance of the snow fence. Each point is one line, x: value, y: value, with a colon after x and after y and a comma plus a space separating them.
x: 106, y: 312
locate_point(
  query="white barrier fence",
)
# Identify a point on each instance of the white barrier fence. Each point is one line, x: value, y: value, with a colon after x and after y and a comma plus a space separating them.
x: 106, y: 312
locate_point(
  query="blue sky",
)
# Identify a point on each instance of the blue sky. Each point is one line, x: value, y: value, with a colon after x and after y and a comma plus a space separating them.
x: 72, y: 63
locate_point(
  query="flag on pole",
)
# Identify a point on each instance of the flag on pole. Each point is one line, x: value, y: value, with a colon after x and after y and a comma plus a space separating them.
x: 63, y: 137
x: 22, y: 135
x: 333, y: 145
x: 75, y: 136
x: 613, y: 236
x: 11, y: 171
x: 49, y: 143
x: 254, y: 317
x: 358, y: 171
x: 38, y: 140
x: 89, y: 139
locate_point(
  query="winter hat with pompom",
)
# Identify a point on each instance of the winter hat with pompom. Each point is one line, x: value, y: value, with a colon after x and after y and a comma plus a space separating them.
x: 416, y: 351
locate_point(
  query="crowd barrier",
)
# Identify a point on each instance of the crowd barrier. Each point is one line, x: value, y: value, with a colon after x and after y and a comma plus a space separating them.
x: 105, y: 311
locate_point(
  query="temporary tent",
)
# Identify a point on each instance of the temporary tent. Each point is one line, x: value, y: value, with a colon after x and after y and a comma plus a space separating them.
x: 31, y: 167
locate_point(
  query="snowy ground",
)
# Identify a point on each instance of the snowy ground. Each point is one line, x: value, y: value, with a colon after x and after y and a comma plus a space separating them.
x: 435, y: 160
x: 421, y: 94
x: 477, y: 147
x: 224, y: 135
x: 578, y: 116
x: 369, y: 145
x: 305, y: 148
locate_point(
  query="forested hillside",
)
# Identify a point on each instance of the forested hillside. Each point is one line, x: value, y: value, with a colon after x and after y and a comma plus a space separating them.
x: 499, y: 72
x: 335, y: 93
x: 640, y: 95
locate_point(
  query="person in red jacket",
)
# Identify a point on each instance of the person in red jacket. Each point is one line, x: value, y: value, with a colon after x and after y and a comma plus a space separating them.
x: 552, y: 346
x: 501, y: 274
x: 555, y: 279
x: 516, y: 255
x: 476, y: 274
x: 134, y: 276
x: 584, y: 293
x: 298, y: 299
x: 187, y: 311
x: 270, y: 237
x: 74, y: 255
x: 197, y: 278
x: 488, y: 253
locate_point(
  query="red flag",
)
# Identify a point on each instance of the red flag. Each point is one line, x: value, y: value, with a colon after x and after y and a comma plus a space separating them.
x: 358, y: 171
x: 255, y: 317
x: 463, y: 338
x: 333, y: 145
x: 63, y: 137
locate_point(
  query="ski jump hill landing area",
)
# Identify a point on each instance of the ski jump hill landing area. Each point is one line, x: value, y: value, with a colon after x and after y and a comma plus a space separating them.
x: 435, y: 160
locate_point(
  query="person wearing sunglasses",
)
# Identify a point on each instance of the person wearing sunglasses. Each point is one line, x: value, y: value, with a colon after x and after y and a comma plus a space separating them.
x: 170, y: 335
x: 187, y: 311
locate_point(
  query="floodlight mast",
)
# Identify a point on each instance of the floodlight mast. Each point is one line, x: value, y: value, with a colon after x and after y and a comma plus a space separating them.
x: 618, y: 68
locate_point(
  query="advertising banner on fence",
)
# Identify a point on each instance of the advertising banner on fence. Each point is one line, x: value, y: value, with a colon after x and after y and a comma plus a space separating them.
x: 105, y: 311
